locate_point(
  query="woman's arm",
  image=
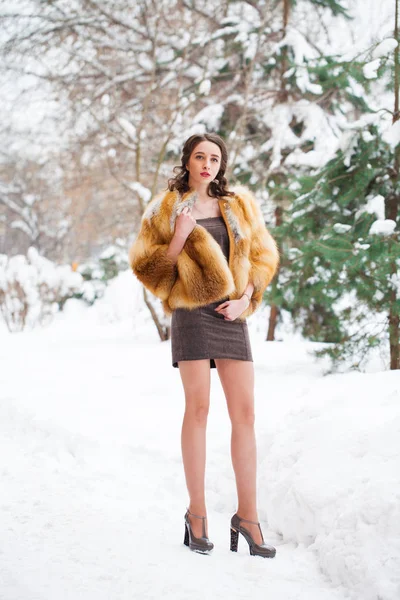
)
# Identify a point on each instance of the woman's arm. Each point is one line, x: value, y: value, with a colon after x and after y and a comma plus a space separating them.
x: 184, y: 226
x: 175, y: 248
x: 248, y: 292
x: 185, y: 270
x: 149, y: 260
x: 264, y: 257
x: 232, y: 309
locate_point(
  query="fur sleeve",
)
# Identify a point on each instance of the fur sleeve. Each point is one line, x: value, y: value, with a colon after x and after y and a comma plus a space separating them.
x: 150, y: 263
x: 264, y: 254
x: 203, y: 273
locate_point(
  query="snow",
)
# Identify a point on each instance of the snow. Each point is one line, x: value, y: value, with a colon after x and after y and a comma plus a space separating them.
x: 384, y: 48
x: 348, y: 509
x: 375, y: 205
x: 370, y: 69
x: 383, y: 227
x: 317, y: 128
x: 392, y: 134
x: 341, y: 228
x: 145, y: 62
x: 129, y: 128
x: 358, y: 246
x: 205, y: 87
x: 372, y: 21
x: 108, y: 252
x: 394, y: 279
x: 33, y: 286
x: 302, y: 51
x: 210, y: 115
x: 93, y: 491
x: 92, y: 486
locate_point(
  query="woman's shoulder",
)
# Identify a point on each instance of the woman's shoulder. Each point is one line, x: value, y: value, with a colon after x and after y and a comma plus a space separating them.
x: 242, y: 192
x: 245, y: 199
x: 160, y: 205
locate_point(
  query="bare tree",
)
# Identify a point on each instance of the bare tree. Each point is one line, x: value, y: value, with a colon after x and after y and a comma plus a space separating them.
x: 133, y: 78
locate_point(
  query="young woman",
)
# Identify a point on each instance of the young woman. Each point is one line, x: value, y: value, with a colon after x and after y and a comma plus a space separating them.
x: 206, y: 253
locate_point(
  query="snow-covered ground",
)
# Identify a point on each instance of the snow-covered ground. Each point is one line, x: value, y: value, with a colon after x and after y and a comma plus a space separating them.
x: 92, y: 487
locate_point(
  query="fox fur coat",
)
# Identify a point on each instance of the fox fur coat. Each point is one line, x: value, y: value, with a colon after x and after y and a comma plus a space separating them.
x: 202, y: 274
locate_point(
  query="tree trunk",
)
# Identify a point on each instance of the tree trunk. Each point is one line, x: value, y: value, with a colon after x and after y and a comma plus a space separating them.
x: 283, y: 94
x: 162, y: 328
x: 274, y: 313
x: 394, y: 334
x: 392, y: 211
x: 273, y: 319
x: 396, y: 114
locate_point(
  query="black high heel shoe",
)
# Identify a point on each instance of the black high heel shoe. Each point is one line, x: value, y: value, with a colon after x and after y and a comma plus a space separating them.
x: 203, y: 544
x: 255, y: 549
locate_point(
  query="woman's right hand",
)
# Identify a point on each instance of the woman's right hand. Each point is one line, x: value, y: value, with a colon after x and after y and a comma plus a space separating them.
x: 185, y: 223
x: 184, y: 226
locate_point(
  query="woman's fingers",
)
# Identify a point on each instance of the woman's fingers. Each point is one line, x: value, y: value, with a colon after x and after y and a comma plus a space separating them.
x: 222, y: 306
x: 229, y: 310
x: 186, y: 212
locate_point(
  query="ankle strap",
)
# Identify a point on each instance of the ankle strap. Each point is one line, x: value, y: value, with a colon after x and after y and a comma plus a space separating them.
x: 197, y: 516
x: 247, y: 521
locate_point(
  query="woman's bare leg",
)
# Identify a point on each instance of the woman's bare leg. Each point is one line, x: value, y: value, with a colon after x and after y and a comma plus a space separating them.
x: 195, y: 375
x: 237, y: 379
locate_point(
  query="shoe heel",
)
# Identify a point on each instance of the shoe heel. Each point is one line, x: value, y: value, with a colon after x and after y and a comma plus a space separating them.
x: 186, y: 538
x: 197, y: 544
x: 234, y: 540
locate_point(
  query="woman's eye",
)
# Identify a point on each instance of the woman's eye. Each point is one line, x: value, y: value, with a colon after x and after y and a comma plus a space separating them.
x: 200, y: 156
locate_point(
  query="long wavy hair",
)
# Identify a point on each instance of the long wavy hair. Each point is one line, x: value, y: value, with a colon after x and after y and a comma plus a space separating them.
x: 180, y: 182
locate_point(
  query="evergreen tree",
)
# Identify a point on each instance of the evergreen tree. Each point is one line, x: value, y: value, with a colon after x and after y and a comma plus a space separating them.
x: 340, y: 244
x: 345, y: 252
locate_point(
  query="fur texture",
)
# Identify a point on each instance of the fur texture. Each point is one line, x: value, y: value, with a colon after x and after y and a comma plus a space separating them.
x: 202, y: 274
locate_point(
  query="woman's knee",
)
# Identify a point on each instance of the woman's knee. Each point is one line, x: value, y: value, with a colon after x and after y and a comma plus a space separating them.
x: 197, y: 411
x: 243, y: 415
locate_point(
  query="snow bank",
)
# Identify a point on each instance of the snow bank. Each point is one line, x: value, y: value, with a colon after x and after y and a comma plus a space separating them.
x: 92, y: 430
x: 122, y: 298
x: 330, y: 480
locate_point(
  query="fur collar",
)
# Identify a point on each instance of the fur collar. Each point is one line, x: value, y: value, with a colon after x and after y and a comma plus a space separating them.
x: 179, y: 201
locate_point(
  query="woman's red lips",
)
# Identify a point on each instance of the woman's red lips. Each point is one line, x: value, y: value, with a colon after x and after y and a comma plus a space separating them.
x: 205, y: 174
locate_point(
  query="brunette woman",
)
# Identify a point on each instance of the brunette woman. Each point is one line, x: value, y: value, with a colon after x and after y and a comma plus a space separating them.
x: 205, y: 251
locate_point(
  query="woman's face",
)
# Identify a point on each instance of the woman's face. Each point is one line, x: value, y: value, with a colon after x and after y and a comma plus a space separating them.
x: 204, y: 163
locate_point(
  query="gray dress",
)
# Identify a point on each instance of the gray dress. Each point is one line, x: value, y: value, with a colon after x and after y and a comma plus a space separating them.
x: 202, y: 333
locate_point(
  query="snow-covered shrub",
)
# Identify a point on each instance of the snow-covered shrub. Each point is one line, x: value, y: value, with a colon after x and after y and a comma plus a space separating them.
x: 113, y: 260
x: 97, y: 273
x: 33, y: 289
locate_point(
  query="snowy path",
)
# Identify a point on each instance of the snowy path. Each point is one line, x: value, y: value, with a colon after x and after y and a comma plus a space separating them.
x: 92, y: 488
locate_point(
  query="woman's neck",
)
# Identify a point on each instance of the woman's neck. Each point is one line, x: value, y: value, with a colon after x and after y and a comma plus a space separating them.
x: 206, y: 207
x: 202, y: 194
x: 201, y: 189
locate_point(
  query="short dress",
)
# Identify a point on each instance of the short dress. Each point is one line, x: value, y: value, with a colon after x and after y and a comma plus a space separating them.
x: 203, y: 333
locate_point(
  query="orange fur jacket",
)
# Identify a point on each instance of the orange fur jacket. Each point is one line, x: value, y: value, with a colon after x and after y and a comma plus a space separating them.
x: 202, y: 274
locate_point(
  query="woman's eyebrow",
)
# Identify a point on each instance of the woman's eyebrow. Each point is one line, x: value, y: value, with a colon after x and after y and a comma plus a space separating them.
x: 216, y: 155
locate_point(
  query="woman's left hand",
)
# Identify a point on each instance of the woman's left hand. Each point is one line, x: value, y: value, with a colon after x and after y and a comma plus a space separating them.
x: 231, y: 309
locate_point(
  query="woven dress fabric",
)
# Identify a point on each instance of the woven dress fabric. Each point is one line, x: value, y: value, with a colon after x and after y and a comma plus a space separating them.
x: 203, y: 333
